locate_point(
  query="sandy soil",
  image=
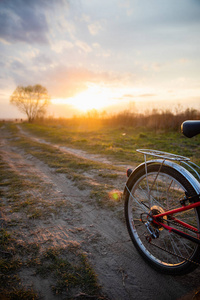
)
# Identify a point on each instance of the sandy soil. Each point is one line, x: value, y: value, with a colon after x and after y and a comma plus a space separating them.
x: 121, y: 271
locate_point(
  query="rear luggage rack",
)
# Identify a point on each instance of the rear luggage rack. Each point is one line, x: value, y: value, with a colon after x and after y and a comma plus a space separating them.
x: 164, y: 155
x: 190, y: 166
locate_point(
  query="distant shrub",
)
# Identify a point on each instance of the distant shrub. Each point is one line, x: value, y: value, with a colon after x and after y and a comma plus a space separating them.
x: 154, y: 120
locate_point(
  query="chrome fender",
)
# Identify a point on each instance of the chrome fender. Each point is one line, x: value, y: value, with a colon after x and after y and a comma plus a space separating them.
x: 192, y: 180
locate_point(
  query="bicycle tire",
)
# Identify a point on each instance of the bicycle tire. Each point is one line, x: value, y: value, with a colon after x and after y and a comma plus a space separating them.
x: 170, y: 186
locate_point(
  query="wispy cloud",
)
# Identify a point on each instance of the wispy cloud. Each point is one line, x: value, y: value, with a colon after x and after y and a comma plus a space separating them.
x: 94, y: 28
x: 83, y: 46
x: 61, y: 45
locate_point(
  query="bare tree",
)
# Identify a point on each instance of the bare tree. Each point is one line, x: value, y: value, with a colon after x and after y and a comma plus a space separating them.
x: 31, y: 100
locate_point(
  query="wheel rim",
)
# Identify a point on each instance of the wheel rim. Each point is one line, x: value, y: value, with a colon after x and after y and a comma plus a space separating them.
x: 165, y: 195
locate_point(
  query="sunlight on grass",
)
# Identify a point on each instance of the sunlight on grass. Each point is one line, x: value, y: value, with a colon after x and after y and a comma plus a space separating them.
x: 114, y: 144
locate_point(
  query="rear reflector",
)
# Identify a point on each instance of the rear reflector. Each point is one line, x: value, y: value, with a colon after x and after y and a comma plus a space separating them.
x: 128, y: 172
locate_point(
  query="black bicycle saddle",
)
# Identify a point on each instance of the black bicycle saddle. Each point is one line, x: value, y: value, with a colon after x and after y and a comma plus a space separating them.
x: 190, y: 128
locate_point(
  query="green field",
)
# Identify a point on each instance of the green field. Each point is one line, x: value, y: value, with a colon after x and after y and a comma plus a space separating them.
x: 119, y: 143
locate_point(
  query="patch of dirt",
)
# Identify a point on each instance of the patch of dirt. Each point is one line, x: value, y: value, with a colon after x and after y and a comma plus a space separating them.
x: 103, y: 236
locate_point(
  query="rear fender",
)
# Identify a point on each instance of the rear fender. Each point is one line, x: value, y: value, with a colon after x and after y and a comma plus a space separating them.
x: 193, y: 181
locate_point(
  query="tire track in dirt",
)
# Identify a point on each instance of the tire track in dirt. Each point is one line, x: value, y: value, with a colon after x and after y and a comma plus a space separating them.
x: 76, y: 152
x: 121, y: 271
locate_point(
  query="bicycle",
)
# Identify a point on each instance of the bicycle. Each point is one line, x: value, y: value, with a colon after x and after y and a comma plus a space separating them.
x: 162, y: 208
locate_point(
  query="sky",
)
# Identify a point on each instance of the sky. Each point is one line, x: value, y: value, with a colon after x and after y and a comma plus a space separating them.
x: 109, y: 55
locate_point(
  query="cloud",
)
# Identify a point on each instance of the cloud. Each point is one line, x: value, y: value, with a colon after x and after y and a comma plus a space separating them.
x: 42, y: 59
x: 21, y: 21
x: 27, y: 20
x: 17, y: 65
x: 94, y: 28
x: 83, y: 46
x: 127, y: 5
x: 61, y: 45
x: 136, y: 46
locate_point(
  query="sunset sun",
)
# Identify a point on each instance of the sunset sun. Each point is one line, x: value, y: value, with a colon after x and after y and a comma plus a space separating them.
x: 92, y: 98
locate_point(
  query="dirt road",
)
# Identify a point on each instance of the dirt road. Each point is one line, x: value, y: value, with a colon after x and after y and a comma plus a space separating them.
x: 102, y: 234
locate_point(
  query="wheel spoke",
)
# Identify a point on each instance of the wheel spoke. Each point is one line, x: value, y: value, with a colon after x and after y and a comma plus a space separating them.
x: 168, y: 250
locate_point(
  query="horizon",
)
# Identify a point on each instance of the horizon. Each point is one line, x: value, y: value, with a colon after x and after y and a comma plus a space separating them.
x: 69, y: 112
x: 100, y: 55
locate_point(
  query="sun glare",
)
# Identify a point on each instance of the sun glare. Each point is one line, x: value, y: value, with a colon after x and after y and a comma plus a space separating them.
x: 94, y: 97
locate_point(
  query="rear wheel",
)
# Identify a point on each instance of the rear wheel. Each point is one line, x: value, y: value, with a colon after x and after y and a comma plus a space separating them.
x: 165, y: 251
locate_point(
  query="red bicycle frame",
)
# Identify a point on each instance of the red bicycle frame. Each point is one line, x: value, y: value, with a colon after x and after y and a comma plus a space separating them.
x: 179, y: 232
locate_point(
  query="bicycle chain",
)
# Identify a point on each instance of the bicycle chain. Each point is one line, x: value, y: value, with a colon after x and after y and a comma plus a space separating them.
x: 173, y: 222
x: 172, y: 253
x: 177, y: 255
x: 179, y: 225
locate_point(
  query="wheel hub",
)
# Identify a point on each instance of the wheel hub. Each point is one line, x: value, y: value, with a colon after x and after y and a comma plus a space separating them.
x: 156, y: 210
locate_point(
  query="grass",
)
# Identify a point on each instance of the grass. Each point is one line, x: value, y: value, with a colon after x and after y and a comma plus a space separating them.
x: 69, y: 270
x: 66, y: 268
x: 54, y: 157
x: 119, y: 143
x: 11, y: 263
